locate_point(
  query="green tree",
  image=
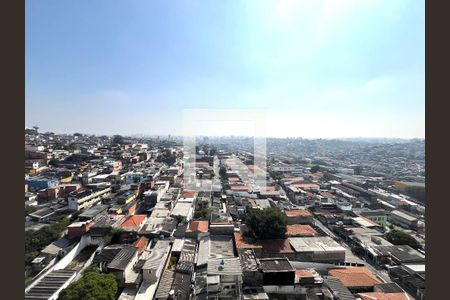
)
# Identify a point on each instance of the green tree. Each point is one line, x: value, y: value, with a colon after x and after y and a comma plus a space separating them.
x: 35, y: 241
x: 172, y: 262
x: 319, y: 162
x: 58, y: 145
x: 315, y: 169
x: 53, y: 162
x: 212, y: 151
x: 326, y: 176
x: 71, y: 147
x: 92, y: 268
x: 358, y: 170
x: 275, y: 175
x: 167, y: 157
x: 117, y: 140
x: 202, y: 213
x: 267, y: 224
x: 223, y: 172
x: 415, y: 191
x: 399, y: 237
x: 30, y: 209
x: 93, y: 285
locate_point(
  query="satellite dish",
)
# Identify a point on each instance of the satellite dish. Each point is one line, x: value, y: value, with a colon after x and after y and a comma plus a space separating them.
x: 221, y: 265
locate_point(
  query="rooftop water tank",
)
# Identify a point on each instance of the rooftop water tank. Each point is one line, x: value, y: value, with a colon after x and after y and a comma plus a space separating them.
x: 376, y: 240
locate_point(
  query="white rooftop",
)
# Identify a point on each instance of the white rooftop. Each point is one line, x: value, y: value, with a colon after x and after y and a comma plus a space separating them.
x: 224, y: 266
x: 182, y: 209
x: 365, y: 222
x: 419, y: 268
x: 315, y: 244
x: 403, y: 215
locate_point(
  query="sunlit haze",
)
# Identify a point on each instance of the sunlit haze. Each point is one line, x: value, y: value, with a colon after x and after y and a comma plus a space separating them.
x: 320, y: 69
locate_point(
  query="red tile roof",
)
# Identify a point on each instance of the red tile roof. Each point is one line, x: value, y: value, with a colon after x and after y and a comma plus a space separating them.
x: 277, y: 246
x: 233, y: 179
x: 317, y: 175
x: 370, y: 221
x: 298, y: 213
x: 241, y: 243
x: 294, y: 181
x: 355, y: 277
x: 253, y: 168
x: 328, y: 195
x: 269, y: 246
x: 300, y: 230
x: 188, y: 194
x: 198, y: 226
x: 141, y: 243
x: 133, y: 221
x: 305, y: 185
x: 384, y: 296
x: 303, y: 274
x: 239, y: 188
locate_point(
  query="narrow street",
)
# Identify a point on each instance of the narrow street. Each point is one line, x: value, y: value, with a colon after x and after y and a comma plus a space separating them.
x: 351, y: 257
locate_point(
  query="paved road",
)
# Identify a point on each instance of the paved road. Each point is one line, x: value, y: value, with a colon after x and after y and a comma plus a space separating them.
x: 350, y: 256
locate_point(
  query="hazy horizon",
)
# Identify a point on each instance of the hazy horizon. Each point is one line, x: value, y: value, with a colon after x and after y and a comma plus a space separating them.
x: 143, y: 135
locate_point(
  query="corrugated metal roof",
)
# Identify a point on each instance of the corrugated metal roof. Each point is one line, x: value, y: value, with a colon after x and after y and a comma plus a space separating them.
x: 221, y: 246
x: 200, y: 281
x: 165, y: 284
x: 188, y: 251
x: 123, y: 258
x: 107, y: 254
x: 185, y: 267
x: 178, y: 245
x: 157, y: 254
x: 224, y: 266
x: 338, y: 289
x: 182, y: 286
x: 203, y: 251
x: 248, y: 260
x: 49, y: 284
x: 275, y: 264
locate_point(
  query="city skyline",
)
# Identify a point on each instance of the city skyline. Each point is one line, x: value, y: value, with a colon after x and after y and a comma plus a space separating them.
x: 321, y: 69
x: 236, y: 136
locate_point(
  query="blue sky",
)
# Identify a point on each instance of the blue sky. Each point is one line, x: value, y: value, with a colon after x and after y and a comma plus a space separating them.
x: 344, y: 68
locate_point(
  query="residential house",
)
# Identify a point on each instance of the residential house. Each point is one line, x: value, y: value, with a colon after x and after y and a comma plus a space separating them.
x: 356, y: 279
x: 122, y: 264
x: 299, y: 216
